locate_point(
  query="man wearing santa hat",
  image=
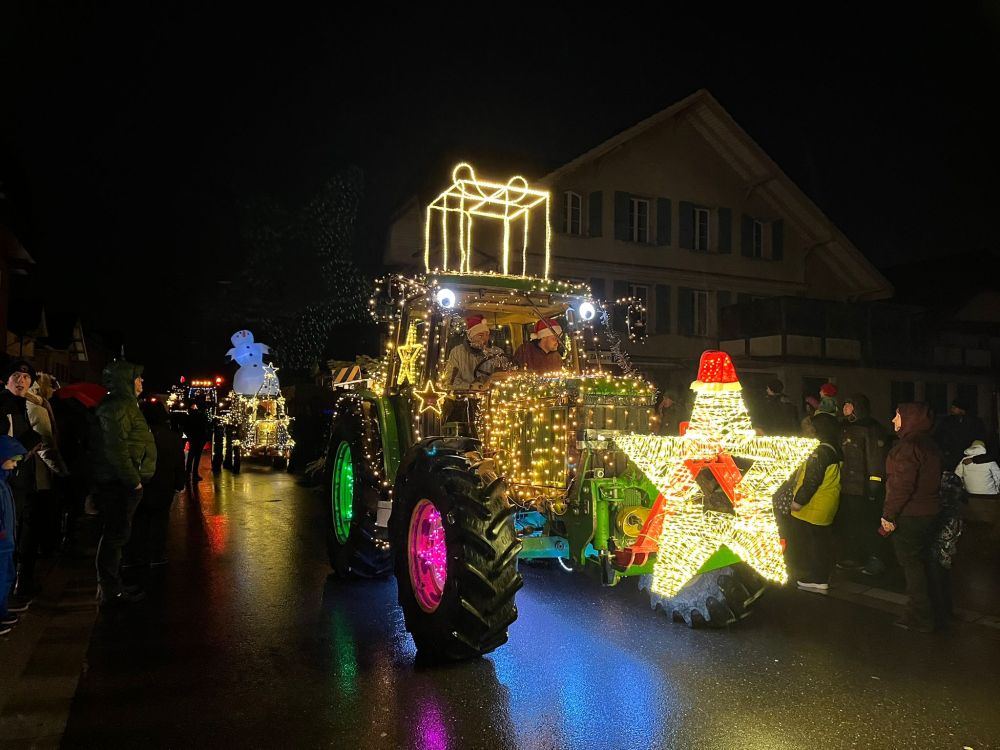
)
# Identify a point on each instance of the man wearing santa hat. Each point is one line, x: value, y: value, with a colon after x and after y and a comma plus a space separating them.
x: 473, y: 361
x: 541, y: 354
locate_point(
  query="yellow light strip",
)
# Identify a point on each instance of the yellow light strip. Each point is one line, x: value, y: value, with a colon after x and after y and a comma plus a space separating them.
x: 477, y: 198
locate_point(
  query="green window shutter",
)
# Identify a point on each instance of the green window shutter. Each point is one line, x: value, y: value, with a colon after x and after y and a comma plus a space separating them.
x: 746, y: 236
x: 723, y: 299
x: 685, y: 229
x: 725, y: 230
x: 597, y: 287
x: 561, y: 208
x: 662, y: 308
x: 621, y: 215
x: 663, y: 228
x: 685, y: 311
x: 777, y: 239
x: 595, y: 205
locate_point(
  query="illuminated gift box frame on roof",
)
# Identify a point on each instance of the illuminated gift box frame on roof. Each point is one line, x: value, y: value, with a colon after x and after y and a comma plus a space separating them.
x: 468, y: 198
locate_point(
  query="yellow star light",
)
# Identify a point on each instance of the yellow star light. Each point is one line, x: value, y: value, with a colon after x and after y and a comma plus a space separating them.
x: 719, y: 427
x: 409, y: 357
x: 430, y: 398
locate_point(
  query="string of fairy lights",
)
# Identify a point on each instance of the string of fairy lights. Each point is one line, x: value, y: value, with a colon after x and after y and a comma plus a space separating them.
x: 468, y: 198
x: 532, y: 422
x: 260, y: 420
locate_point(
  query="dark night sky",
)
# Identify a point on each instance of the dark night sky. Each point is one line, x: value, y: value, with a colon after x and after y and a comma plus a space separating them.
x: 130, y: 137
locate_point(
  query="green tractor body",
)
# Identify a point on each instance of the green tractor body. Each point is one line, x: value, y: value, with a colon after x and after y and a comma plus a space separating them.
x: 450, y: 488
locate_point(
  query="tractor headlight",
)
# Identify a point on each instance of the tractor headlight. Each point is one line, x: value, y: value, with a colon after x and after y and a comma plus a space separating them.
x: 445, y: 298
x: 587, y: 311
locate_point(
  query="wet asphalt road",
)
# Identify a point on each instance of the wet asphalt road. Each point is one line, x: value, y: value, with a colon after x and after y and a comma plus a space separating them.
x: 245, y: 642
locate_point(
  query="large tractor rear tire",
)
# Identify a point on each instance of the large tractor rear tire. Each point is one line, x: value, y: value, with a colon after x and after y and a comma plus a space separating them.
x: 715, y: 599
x: 352, y: 542
x: 455, y: 552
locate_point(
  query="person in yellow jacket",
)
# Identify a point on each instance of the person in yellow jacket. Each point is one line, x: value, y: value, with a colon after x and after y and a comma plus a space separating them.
x: 817, y: 496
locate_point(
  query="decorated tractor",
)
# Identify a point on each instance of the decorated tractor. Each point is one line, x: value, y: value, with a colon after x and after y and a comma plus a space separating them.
x: 254, y: 423
x: 451, y: 464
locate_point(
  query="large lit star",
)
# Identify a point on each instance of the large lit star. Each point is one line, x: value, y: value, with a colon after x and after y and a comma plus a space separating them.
x: 719, y: 432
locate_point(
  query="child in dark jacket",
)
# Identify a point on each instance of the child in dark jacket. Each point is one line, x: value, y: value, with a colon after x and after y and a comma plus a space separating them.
x: 11, y: 451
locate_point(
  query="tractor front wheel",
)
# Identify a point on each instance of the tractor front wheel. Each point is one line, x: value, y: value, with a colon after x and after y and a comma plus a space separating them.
x: 455, y: 553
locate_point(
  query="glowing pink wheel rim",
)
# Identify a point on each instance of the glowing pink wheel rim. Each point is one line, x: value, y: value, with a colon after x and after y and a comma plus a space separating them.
x: 428, y: 556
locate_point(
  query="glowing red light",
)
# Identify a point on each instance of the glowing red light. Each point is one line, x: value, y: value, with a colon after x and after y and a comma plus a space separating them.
x: 218, y: 381
x: 183, y: 379
x: 716, y: 367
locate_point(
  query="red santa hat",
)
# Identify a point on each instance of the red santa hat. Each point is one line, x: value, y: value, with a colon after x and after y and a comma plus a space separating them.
x: 476, y: 324
x: 828, y: 390
x: 542, y: 330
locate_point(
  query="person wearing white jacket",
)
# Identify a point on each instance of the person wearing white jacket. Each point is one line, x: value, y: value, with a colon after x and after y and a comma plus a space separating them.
x: 978, y: 478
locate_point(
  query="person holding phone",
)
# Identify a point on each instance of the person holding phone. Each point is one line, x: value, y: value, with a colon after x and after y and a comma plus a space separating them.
x: 912, y: 503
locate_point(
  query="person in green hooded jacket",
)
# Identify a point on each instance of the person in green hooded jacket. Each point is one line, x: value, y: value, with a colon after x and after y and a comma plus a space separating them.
x: 124, y: 456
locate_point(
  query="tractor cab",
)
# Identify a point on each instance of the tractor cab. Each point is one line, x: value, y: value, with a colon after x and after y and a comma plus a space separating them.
x: 432, y: 325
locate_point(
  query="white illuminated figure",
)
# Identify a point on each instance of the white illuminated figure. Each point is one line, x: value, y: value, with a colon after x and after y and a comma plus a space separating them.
x: 250, y: 357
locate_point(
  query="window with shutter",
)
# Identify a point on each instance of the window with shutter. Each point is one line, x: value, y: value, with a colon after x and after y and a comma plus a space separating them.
x: 662, y: 308
x: 595, y: 209
x: 638, y: 220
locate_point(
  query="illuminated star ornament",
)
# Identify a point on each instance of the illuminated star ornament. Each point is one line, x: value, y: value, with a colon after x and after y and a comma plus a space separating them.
x: 717, y: 482
x: 409, y: 357
x: 430, y: 398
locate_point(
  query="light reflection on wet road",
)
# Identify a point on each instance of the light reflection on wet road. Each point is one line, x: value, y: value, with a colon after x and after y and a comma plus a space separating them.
x: 245, y: 641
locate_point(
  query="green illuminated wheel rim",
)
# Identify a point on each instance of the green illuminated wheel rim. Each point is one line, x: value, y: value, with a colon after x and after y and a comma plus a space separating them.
x: 342, y: 492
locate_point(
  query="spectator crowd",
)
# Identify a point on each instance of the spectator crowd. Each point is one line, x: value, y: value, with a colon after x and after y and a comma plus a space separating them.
x: 75, y: 449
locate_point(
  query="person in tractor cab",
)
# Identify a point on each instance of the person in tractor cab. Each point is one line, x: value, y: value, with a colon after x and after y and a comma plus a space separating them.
x: 471, y: 362
x: 541, y: 354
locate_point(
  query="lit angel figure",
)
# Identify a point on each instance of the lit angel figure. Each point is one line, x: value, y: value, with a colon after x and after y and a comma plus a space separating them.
x: 717, y: 482
x: 250, y: 357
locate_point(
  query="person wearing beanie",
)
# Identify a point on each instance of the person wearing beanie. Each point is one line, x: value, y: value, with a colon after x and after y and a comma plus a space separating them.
x: 541, y: 354
x: 777, y: 415
x: 957, y: 431
x: 814, y: 506
x: 862, y: 487
x: 827, y: 390
x: 18, y: 376
x: 472, y: 361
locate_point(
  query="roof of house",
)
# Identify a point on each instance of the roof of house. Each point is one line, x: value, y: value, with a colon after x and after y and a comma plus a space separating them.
x: 761, y: 176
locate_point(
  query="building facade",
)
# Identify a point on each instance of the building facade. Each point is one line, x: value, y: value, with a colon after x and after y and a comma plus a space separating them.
x: 685, y: 212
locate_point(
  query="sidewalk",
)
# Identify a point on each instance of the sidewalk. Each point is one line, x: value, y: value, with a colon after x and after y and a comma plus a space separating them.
x: 42, y: 659
x: 975, y: 581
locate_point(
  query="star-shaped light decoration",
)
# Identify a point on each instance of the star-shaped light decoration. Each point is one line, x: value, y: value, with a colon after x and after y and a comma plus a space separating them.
x: 409, y: 355
x: 719, y: 438
x: 430, y: 398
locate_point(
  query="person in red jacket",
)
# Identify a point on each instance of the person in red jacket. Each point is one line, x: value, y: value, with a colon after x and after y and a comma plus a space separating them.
x: 912, y: 503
